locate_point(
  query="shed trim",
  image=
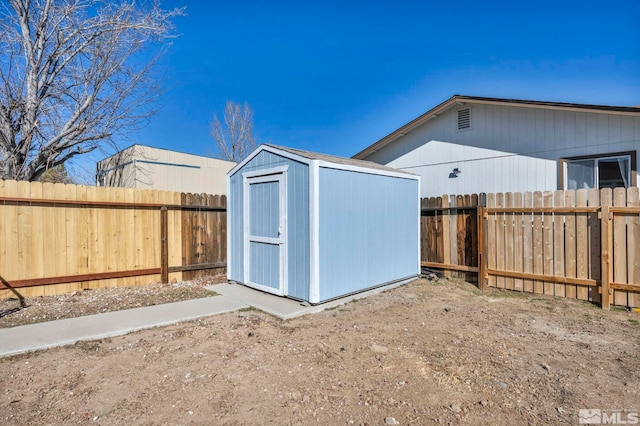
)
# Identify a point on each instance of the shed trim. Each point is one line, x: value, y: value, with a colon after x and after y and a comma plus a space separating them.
x: 265, y: 172
x: 314, y: 231
x: 230, y: 212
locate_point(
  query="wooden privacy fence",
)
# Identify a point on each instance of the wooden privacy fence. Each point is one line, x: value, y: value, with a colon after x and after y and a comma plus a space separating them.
x: 582, y: 244
x: 57, y: 238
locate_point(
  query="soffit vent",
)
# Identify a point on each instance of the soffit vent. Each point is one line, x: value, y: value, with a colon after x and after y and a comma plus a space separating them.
x: 464, y: 119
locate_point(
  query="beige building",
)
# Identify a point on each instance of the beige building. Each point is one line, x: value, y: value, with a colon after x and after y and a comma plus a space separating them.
x: 145, y: 167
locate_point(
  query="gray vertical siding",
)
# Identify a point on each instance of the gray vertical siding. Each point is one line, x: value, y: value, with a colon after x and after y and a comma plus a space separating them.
x: 265, y: 264
x: 368, y: 230
x: 297, y: 221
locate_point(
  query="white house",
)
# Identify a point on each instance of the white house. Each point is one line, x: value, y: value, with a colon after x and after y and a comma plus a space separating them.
x: 472, y: 144
x: 145, y: 167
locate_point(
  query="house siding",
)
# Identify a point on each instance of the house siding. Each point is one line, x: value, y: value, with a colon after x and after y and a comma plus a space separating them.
x: 144, y: 167
x: 368, y: 230
x: 506, y: 149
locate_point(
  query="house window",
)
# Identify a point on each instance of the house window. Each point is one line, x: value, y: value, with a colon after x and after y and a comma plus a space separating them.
x: 598, y: 172
x: 464, y: 119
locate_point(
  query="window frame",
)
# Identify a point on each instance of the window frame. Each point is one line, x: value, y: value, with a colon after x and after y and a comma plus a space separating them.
x: 633, y: 174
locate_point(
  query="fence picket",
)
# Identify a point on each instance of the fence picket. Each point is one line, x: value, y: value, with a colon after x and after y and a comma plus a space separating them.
x: 593, y: 199
x: 527, y: 241
x: 37, y: 265
x: 570, y: 258
x: 633, y: 251
x: 472, y: 237
x: 606, y: 199
x: 82, y: 234
x: 619, y: 260
x: 439, y: 240
x: 491, y: 241
x: 60, y: 231
x: 500, y: 239
x: 71, y: 225
x: 453, y: 234
x: 222, y: 232
x: 461, y: 233
x: 424, y: 252
x: 518, y: 266
x: 558, y: 243
x: 128, y: 261
x: 509, y: 258
x: 547, y: 241
x: 446, y: 239
x: 93, y: 247
x: 538, y: 253
x: 23, y: 245
x: 175, y: 236
x: 582, y: 244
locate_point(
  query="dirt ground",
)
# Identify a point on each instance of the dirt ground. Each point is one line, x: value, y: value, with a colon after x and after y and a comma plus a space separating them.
x: 429, y: 352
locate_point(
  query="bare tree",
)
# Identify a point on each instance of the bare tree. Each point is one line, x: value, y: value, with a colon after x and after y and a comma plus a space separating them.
x: 234, y: 139
x: 73, y: 74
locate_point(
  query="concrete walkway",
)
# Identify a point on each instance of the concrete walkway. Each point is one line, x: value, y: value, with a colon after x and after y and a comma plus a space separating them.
x: 44, y: 335
x: 232, y: 297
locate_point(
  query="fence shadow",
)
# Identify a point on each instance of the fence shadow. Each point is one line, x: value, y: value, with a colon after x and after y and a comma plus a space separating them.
x: 23, y: 303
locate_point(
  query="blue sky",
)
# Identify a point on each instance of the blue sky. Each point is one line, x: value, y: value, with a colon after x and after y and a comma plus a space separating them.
x: 336, y: 76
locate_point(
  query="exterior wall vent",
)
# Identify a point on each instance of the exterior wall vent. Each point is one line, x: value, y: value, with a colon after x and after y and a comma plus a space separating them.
x: 464, y: 119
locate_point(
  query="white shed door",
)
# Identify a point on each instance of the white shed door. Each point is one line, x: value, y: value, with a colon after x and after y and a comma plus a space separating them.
x: 265, y: 233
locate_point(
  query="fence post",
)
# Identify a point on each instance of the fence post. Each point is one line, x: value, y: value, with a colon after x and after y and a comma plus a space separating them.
x: 605, y: 256
x: 482, y: 266
x: 164, y: 245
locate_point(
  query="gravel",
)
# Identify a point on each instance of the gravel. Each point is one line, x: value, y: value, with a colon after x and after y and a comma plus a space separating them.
x: 90, y: 302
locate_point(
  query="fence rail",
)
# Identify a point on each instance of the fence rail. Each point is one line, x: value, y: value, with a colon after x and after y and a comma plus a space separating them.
x: 581, y: 244
x: 57, y: 238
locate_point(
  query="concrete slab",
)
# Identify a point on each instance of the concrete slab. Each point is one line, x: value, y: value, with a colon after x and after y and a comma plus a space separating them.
x: 284, y: 308
x: 16, y: 340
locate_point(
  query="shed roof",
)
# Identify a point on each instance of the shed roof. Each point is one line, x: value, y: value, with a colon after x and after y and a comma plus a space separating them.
x: 337, y: 160
x: 461, y: 100
x: 325, y: 161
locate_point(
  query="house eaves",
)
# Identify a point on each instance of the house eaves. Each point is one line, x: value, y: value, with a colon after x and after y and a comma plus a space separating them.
x: 470, y: 100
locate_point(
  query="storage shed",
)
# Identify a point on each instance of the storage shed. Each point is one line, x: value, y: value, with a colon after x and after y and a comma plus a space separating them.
x: 315, y: 227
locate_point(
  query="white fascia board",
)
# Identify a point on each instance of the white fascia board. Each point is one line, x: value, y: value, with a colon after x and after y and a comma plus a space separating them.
x: 359, y: 169
x: 314, y: 231
x: 229, y: 216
